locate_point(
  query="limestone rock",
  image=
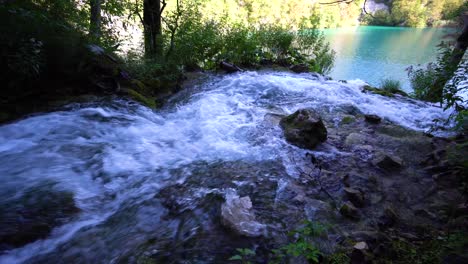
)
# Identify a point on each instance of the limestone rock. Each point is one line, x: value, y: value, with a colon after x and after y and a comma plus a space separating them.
x: 237, y: 214
x: 304, y: 129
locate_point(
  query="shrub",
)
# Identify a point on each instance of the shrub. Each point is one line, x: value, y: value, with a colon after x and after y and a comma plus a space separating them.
x: 428, y: 83
x: 204, y: 43
x: 389, y: 85
x: 35, y: 47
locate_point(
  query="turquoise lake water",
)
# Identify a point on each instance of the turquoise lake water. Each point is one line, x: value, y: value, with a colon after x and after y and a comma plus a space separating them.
x: 372, y: 53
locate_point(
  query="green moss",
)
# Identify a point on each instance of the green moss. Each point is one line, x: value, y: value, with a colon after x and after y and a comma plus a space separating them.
x: 348, y: 120
x: 150, y: 102
x: 368, y: 88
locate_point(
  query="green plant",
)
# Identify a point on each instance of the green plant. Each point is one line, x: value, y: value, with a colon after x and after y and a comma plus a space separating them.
x: 244, y: 255
x: 338, y: 258
x: 428, y: 84
x: 426, y: 253
x: 303, y: 245
x: 390, y: 85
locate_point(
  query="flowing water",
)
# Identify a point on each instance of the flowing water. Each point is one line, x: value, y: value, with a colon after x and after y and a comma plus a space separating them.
x: 116, y: 156
x: 375, y: 53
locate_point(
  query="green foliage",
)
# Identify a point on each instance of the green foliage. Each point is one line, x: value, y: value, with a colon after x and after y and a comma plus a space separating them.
x: 199, y: 42
x: 417, y: 13
x: 244, y: 255
x: 392, y: 86
x: 427, y: 251
x: 302, y: 246
x: 380, y: 18
x: 34, y: 45
x: 452, y: 98
x: 428, y: 84
x: 368, y: 88
x: 338, y: 258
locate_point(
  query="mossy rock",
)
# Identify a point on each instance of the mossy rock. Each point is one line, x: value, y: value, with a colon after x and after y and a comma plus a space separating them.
x: 147, y: 101
x: 304, y: 129
x: 348, y: 120
x: 374, y: 90
x: 383, y: 92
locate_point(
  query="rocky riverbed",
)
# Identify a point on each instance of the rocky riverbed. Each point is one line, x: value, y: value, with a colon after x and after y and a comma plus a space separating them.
x: 216, y: 170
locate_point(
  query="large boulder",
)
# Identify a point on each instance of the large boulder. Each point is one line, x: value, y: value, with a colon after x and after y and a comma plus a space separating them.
x: 34, y: 215
x: 237, y: 214
x: 304, y: 129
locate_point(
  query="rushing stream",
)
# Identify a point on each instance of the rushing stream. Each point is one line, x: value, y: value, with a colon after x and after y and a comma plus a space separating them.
x: 114, y: 157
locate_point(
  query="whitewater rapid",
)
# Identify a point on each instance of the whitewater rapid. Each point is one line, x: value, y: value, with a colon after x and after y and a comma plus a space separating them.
x: 114, y: 156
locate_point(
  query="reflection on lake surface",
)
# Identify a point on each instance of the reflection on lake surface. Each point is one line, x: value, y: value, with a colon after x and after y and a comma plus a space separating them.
x: 374, y: 53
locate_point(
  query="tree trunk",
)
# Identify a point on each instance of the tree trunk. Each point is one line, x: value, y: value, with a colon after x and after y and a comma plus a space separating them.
x: 95, y: 19
x: 152, y: 11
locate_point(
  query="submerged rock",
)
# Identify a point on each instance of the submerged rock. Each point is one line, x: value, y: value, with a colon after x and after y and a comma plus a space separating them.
x: 304, y: 129
x: 34, y: 215
x: 237, y: 214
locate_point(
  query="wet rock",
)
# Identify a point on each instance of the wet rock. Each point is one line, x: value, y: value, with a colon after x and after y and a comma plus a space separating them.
x: 355, y: 196
x: 373, y: 119
x: 228, y: 67
x: 304, y: 129
x: 388, y: 219
x: 299, y: 199
x: 300, y: 68
x: 349, y: 109
x: 237, y: 214
x: 355, y: 139
x: 361, y: 246
x: 387, y: 162
x: 34, y: 215
x: 348, y: 210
